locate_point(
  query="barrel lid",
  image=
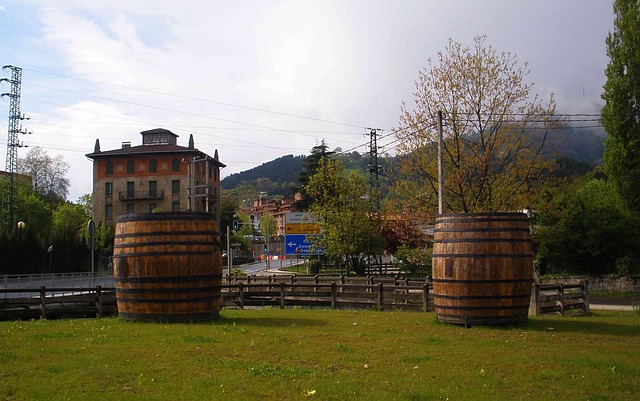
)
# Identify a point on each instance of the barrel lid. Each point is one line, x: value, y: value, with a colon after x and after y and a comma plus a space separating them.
x: 483, y: 214
x: 160, y: 216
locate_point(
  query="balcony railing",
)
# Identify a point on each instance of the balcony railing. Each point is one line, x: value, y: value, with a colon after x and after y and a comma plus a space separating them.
x: 141, y: 195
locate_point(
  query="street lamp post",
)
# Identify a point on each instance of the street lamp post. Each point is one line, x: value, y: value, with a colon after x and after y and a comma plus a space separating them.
x: 91, y: 228
x: 50, y: 252
x: 20, y: 229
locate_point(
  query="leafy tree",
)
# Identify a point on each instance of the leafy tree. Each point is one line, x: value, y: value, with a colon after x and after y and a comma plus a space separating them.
x: 414, y: 261
x: 245, y: 226
x: 70, y: 252
x: 402, y: 232
x: 228, y: 207
x: 104, y: 245
x: 342, y: 207
x: 268, y: 225
x: 590, y: 232
x: 22, y: 253
x: 621, y: 113
x: 494, y: 132
x: 70, y: 217
x: 311, y: 165
x: 34, y: 212
x: 48, y: 174
x: 86, y: 201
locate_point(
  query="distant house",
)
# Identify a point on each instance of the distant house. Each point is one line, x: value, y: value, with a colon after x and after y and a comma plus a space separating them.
x: 278, y: 208
x: 158, y: 175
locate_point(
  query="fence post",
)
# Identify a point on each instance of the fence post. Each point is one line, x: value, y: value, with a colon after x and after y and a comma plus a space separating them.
x: 282, y: 295
x: 585, y: 296
x: 406, y: 290
x: 561, y: 297
x: 316, y: 280
x: 334, y: 296
x: 425, y: 297
x: 240, y: 296
x: 534, y: 308
x: 380, y: 295
x: 43, y: 303
x: 98, y: 301
x: 341, y: 282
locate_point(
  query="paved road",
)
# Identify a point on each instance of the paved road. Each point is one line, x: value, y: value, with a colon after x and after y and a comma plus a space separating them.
x: 261, y: 268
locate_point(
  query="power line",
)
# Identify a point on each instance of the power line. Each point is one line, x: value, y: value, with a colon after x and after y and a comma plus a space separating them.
x: 189, y: 126
x: 189, y: 114
x: 138, y: 121
x: 199, y: 99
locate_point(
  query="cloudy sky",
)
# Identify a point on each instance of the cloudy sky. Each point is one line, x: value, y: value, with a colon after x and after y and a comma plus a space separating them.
x: 262, y: 79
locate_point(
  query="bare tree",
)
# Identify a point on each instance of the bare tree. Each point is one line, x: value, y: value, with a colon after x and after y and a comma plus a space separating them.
x: 48, y: 174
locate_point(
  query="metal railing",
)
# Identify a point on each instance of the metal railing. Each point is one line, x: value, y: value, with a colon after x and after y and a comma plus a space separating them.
x: 54, y: 280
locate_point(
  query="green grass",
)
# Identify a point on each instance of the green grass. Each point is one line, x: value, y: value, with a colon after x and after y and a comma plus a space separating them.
x: 613, y: 295
x: 295, y: 354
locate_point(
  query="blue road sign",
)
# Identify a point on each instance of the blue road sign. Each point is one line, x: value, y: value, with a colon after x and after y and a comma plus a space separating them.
x: 300, y: 244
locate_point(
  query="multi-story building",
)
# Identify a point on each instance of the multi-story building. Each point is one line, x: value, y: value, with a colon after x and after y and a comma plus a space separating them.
x: 158, y: 175
x: 278, y: 208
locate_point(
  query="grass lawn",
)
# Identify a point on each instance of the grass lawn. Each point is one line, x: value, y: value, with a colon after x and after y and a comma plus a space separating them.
x: 295, y: 354
x: 614, y: 297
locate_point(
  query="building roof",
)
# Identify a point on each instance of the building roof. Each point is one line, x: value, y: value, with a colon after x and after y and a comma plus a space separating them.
x: 152, y: 149
x: 157, y: 131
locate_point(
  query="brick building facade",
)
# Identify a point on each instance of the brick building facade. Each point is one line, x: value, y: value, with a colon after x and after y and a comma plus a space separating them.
x: 158, y: 175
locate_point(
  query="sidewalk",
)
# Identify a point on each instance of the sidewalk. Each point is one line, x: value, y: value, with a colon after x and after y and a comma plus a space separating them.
x: 627, y: 308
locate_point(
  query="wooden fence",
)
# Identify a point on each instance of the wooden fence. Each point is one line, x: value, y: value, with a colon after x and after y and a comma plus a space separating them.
x: 326, y: 279
x: 563, y: 299
x: 320, y: 291
x: 329, y: 295
x: 281, y: 291
x: 57, y: 302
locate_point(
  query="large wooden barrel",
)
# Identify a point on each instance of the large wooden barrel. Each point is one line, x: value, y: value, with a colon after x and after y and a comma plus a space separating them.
x: 482, y: 268
x: 167, y: 266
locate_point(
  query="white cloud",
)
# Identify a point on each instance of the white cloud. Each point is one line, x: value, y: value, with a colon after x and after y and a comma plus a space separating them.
x: 352, y: 62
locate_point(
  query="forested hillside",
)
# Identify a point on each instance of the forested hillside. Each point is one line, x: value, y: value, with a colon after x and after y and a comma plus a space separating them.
x: 579, y: 149
x: 276, y: 177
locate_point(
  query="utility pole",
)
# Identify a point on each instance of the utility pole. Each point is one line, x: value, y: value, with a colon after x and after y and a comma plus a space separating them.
x: 374, y: 187
x: 374, y: 169
x: 440, y: 168
x: 10, y: 192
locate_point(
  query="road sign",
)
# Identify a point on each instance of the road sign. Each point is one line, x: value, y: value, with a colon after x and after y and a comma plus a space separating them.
x: 294, y: 228
x: 299, y: 218
x: 301, y: 244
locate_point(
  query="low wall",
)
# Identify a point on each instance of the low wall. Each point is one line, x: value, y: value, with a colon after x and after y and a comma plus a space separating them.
x: 623, y: 284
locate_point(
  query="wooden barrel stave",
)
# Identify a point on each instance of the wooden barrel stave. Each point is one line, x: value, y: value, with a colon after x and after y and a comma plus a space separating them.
x: 482, y: 268
x: 167, y: 267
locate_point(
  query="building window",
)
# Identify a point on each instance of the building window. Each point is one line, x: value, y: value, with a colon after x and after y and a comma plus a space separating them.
x: 175, y: 165
x: 130, y: 189
x: 175, y: 207
x: 109, y: 168
x: 153, y: 189
x: 153, y: 166
x: 108, y: 189
x: 175, y: 186
x: 131, y: 208
x: 131, y: 167
x: 108, y: 212
x: 152, y: 206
